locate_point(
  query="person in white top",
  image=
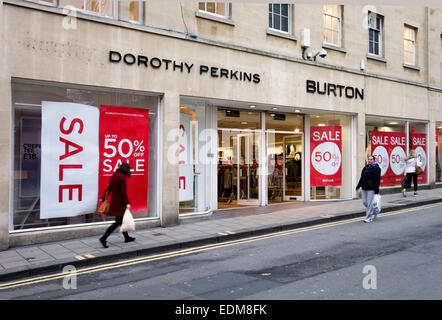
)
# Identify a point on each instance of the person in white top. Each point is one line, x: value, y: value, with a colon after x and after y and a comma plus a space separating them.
x: 410, y: 172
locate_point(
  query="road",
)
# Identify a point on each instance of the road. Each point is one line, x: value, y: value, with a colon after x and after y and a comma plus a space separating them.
x: 398, y: 256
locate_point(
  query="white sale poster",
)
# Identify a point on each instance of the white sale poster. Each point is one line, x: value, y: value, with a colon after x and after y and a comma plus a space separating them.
x: 69, y: 159
x: 185, y: 159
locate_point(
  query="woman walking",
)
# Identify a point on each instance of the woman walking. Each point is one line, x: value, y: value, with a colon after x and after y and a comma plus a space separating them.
x: 369, y: 181
x: 119, y: 201
x: 410, y: 172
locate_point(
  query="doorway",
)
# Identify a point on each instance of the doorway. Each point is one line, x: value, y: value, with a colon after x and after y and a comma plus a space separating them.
x: 238, y: 167
x: 285, y: 167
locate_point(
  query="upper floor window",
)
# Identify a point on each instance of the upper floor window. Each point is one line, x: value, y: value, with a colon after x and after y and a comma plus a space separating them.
x: 131, y: 11
x: 100, y: 7
x: 409, y: 45
x: 332, y: 24
x: 375, y: 22
x: 279, y: 17
x: 216, y: 8
x: 441, y: 60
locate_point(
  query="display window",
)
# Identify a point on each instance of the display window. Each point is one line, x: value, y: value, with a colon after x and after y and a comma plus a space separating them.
x: 193, y: 162
x: 391, y: 141
x: 387, y: 141
x: 418, y: 141
x: 438, y: 152
x: 68, y: 141
x: 330, y: 157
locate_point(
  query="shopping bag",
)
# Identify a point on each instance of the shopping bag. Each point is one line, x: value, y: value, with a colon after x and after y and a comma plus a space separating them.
x: 104, y: 207
x: 419, y: 170
x: 376, y: 203
x: 128, y: 222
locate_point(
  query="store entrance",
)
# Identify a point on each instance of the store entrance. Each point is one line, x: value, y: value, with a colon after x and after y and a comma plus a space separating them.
x: 285, y: 167
x: 238, y: 180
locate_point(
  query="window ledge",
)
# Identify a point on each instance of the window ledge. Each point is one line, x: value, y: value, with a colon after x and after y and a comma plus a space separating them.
x: 281, y: 34
x: 208, y: 16
x: 377, y: 58
x: 335, y: 48
x: 413, y: 67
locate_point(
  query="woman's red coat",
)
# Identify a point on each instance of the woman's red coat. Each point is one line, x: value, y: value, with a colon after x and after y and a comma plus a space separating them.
x: 118, y: 192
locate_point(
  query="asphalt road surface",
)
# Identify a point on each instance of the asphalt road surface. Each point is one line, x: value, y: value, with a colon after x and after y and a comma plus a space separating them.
x: 398, y: 256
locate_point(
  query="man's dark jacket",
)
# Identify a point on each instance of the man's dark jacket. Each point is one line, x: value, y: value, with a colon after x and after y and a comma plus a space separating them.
x: 370, y: 178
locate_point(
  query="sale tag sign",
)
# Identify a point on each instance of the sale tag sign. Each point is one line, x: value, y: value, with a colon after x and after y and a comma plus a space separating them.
x: 124, y: 137
x: 419, y: 144
x: 389, y: 151
x: 326, y: 156
x: 69, y: 153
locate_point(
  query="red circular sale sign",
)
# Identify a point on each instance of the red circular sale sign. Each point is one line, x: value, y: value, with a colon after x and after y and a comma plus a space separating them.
x: 326, y: 156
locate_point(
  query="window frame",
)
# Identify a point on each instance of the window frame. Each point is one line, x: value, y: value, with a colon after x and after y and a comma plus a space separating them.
x: 413, y: 42
x: 379, y: 30
x: 339, y: 18
x: 289, y: 18
x: 140, y: 12
x: 226, y: 9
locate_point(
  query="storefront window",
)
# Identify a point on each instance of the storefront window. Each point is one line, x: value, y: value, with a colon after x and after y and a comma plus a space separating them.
x: 194, y: 161
x: 386, y: 139
x: 438, y: 152
x: 29, y: 141
x: 330, y: 157
x: 418, y: 142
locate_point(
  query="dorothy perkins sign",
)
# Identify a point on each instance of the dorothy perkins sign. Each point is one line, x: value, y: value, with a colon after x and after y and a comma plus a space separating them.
x: 182, y: 66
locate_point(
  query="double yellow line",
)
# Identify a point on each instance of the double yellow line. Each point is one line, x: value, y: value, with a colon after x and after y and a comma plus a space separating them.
x: 178, y: 253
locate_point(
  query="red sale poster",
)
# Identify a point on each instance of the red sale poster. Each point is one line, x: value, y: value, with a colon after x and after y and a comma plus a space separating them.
x: 124, y: 137
x: 419, y: 144
x: 389, y: 150
x: 326, y: 156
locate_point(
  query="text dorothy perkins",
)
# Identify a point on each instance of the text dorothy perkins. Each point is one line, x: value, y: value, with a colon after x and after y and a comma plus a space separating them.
x: 183, y: 67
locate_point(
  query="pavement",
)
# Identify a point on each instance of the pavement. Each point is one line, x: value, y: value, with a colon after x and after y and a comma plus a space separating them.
x: 222, y: 225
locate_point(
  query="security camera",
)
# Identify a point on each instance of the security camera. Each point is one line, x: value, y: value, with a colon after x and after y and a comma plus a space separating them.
x: 322, y: 53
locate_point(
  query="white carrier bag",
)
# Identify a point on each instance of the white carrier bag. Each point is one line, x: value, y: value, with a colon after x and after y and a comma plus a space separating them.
x: 376, y: 204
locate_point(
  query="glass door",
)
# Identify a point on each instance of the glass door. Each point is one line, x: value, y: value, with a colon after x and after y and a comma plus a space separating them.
x: 293, y: 167
x: 247, y: 168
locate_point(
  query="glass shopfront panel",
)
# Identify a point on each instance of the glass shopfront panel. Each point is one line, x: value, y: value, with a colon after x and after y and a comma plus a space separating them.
x: 386, y: 139
x: 418, y: 141
x: 27, y: 99
x: 194, y: 164
x: 330, y: 157
x: 284, y: 156
x: 438, y: 151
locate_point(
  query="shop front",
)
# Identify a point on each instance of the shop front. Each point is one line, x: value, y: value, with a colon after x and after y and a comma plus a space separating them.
x: 68, y: 140
x: 391, y: 140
